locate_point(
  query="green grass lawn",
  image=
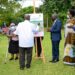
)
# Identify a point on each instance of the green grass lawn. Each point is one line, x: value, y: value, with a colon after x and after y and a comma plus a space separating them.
x: 37, y: 67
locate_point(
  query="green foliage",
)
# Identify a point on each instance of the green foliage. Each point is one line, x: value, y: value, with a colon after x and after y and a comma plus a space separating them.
x: 19, y: 16
x: 63, y: 18
x: 59, y: 6
x: 12, y: 11
x: 73, y: 2
x: 24, y: 11
x: 56, y: 5
x: 8, y: 10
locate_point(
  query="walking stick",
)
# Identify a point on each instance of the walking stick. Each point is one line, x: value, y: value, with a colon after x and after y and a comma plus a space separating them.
x: 6, y: 54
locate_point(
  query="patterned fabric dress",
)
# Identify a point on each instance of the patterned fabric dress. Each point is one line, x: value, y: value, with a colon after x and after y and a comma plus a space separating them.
x: 69, y: 49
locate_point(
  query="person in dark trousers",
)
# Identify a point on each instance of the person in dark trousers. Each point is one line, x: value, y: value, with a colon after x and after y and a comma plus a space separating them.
x: 55, y: 37
x: 25, y: 32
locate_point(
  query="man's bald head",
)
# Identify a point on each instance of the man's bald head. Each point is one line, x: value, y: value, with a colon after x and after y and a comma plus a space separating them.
x: 27, y: 17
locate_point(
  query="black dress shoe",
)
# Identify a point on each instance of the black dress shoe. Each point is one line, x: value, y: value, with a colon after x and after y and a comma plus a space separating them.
x: 21, y: 68
x: 11, y: 58
x: 57, y: 60
x: 16, y: 58
x: 53, y: 61
x: 27, y: 66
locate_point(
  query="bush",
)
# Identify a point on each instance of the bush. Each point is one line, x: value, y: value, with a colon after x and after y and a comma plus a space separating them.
x: 63, y: 18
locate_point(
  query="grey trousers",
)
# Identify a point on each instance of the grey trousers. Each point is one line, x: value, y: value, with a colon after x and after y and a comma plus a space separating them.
x: 25, y: 53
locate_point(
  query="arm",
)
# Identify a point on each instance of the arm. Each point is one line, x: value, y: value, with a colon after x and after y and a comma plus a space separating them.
x: 11, y: 35
x: 72, y: 27
x: 8, y: 34
x: 35, y: 28
x: 16, y: 32
x: 56, y: 27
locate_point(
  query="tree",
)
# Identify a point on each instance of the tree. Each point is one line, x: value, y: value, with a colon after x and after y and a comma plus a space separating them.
x: 73, y: 2
x: 8, y: 9
x: 51, y: 6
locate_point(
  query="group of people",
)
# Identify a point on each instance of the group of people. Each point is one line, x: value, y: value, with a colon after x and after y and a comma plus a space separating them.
x: 69, y: 46
x: 21, y: 40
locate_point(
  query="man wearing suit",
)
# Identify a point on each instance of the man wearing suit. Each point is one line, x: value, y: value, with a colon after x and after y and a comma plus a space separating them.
x: 55, y: 37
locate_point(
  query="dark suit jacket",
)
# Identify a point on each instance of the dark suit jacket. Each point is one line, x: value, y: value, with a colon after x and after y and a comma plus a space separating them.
x: 56, y: 30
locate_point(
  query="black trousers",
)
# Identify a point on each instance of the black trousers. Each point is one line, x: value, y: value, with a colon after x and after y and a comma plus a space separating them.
x: 25, y: 56
x: 55, y: 50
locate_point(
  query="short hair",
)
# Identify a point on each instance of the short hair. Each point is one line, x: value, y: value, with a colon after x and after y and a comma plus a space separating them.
x: 27, y: 17
x: 72, y: 11
x: 55, y: 15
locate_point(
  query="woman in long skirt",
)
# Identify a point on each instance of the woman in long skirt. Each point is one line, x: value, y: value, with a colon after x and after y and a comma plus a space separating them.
x: 69, y: 50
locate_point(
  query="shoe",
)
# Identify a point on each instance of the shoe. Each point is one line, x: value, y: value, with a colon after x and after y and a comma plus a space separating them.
x: 16, y: 58
x: 57, y: 60
x: 53, y: 61
x: 21, y: 68
x: 11, y: 58
x: 27, y: 66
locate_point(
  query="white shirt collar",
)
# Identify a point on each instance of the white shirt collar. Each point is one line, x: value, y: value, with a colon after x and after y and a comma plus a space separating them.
x: 26, y: 20
x: 54, y: 21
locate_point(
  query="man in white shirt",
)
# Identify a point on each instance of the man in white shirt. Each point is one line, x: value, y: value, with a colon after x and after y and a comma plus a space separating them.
x: 25, y: 31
